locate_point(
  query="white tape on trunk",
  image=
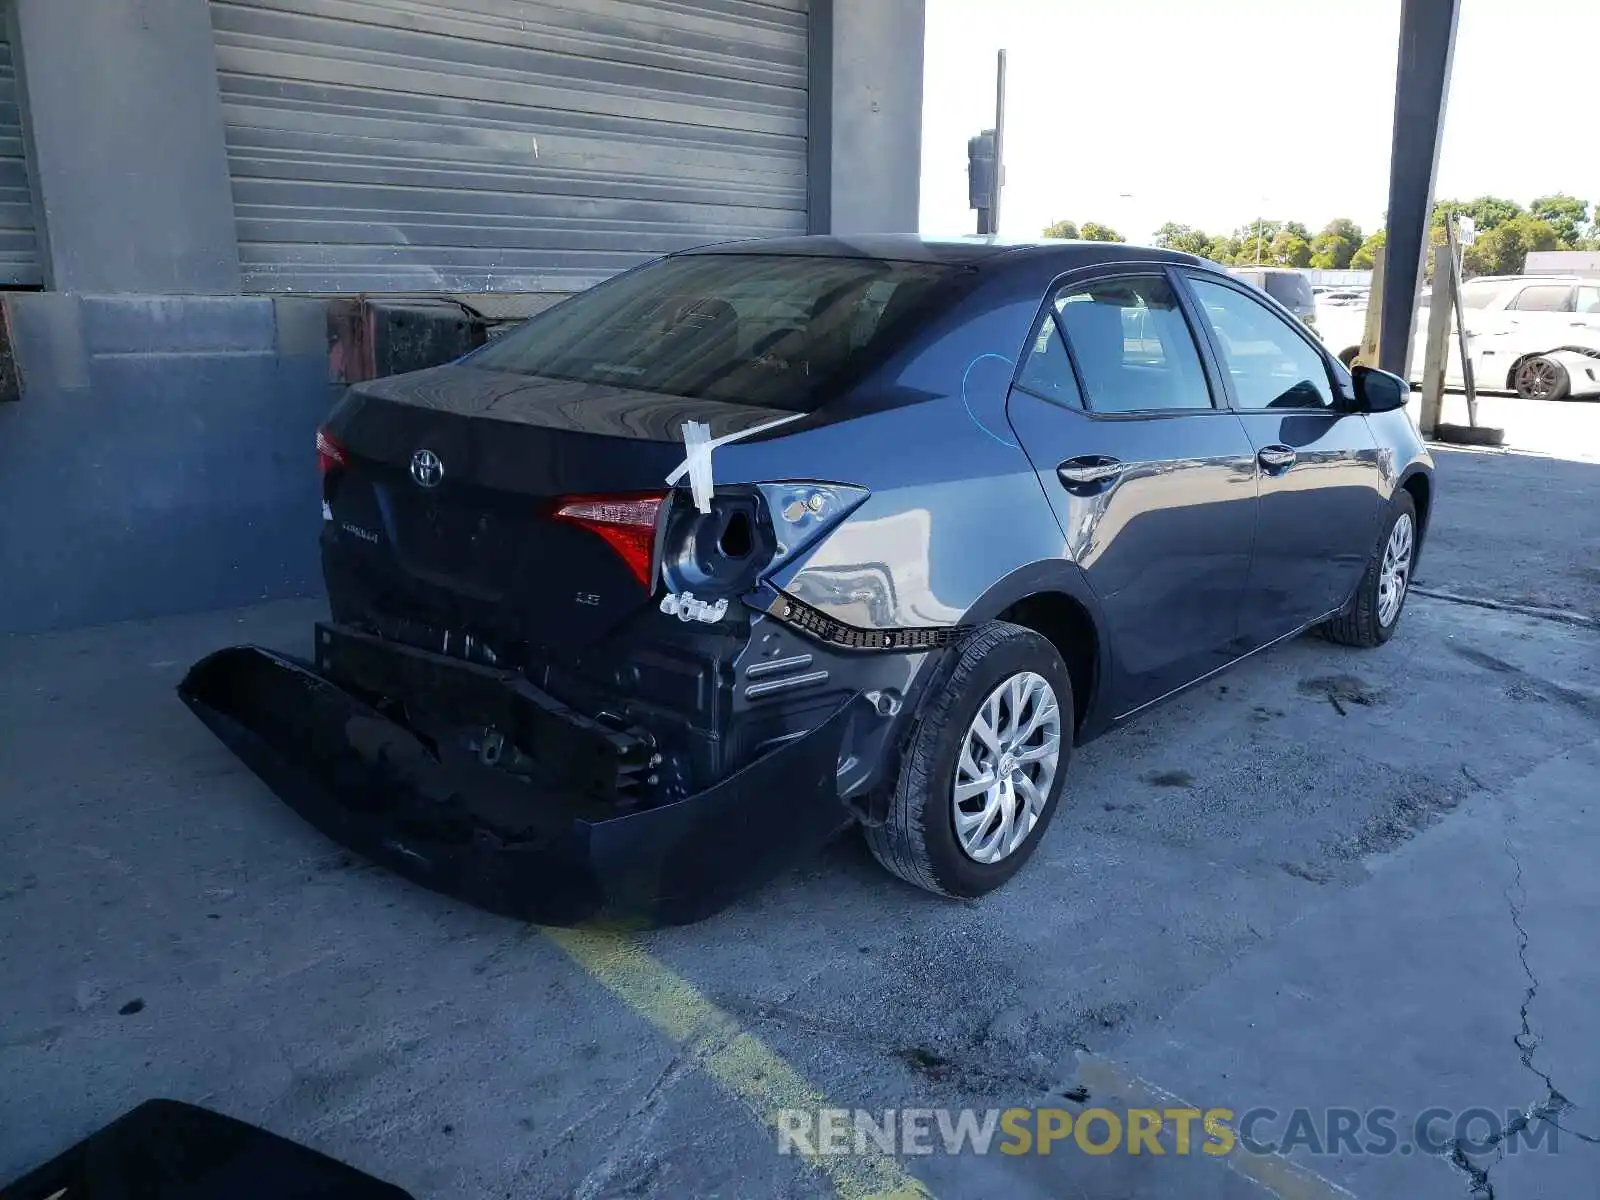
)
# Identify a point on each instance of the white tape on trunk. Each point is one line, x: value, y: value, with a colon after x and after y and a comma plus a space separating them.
x: 697, y: 447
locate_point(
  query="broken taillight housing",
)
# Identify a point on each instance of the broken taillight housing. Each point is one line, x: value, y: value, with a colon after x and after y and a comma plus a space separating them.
x: 750, y: 530
x: 627, y: 522
x: 330, y: 454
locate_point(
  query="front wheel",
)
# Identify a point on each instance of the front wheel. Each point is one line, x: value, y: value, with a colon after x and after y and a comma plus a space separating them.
x: 984, y: 765
x: 1374, y: 613
x: 1541, y: 378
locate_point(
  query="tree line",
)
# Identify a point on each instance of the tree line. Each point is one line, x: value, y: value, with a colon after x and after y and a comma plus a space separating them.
x: 1506, y: 233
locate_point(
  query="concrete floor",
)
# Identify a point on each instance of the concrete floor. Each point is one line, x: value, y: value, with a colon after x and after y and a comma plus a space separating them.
x: 1329, y: 878
x: 1522, y: 524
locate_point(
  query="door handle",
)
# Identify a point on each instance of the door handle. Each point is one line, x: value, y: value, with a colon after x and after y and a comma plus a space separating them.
x: 1276, y: 459
x: 1089, y: 471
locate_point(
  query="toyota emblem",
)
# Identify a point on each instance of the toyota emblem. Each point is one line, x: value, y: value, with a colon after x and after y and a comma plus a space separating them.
x: 426, y: 468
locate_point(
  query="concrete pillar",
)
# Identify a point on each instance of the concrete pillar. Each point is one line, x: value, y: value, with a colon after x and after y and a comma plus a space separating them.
x: 1422, y: 81
x: 866, y: 115
x: 125, y: 143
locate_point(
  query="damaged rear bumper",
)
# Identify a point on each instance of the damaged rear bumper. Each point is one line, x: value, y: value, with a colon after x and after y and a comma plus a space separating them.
x: 532, y: 850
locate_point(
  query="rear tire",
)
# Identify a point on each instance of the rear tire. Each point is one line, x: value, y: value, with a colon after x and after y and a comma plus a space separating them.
x: 1541, y: 378
x: 1374, y: 614
x: 918, y: 840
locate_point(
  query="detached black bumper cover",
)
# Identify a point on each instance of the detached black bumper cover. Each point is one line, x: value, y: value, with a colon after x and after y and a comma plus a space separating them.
x: 501, y: 842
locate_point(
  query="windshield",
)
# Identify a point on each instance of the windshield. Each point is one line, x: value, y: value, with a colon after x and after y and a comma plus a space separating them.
x: 766, y: 330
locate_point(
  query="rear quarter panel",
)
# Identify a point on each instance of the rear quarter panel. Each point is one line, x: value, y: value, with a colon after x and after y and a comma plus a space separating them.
x: 955, y: 504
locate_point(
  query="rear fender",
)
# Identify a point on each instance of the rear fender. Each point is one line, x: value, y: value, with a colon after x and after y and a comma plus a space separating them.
x: 1583, y: 369
x: 921, y: 556
x: 1060, y: 577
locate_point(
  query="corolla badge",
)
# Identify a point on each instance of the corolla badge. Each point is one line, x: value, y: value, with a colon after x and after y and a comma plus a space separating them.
x: 426, y: 468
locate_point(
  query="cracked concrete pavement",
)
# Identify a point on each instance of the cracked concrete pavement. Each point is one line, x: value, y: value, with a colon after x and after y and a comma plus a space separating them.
x: 1432, y: 985
x: 1327, y: 878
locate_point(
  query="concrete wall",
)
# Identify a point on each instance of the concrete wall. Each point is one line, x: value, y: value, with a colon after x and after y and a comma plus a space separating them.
x: 160, y: 458
x: 867, y: 106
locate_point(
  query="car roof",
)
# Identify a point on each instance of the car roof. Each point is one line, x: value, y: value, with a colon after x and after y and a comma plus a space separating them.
x: 1062, y: 255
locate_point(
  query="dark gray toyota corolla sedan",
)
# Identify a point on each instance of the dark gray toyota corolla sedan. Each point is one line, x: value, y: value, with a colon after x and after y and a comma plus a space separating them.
x: 671, y: 583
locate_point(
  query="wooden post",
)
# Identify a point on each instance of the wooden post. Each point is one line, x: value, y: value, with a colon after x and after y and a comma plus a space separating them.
x: 1436, y: 356
x: 1368, y: 354
x: 1467, y: 380
x: 1447, y: 275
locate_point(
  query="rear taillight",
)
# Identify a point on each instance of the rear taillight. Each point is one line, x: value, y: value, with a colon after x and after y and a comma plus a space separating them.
x: 626, y: 521
x: 330, y: 455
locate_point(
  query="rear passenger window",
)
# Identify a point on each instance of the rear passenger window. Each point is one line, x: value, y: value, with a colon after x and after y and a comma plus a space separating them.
x: 1544, y: 298
x: 1133, y: 347
x: 1272, y: 366
x: 1047, y: 370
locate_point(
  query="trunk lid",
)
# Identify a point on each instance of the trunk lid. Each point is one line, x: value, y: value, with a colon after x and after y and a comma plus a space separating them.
x: 466, y: 544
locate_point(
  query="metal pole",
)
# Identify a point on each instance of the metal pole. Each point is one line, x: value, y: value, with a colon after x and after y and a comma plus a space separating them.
x: 999, y: 141
x: 1422, y: 79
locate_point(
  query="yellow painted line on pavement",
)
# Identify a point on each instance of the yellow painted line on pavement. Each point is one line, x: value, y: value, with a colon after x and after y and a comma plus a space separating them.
x: 743, y: 1065
x: 1283, y: 1177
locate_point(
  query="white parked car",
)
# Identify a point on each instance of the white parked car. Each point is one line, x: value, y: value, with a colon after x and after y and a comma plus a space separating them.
x: 1535, y: 335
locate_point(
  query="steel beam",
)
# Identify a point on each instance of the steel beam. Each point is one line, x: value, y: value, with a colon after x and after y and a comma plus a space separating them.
x: 1422, y: 81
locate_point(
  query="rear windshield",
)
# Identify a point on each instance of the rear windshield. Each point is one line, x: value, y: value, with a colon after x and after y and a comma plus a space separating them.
x: 766, y: 330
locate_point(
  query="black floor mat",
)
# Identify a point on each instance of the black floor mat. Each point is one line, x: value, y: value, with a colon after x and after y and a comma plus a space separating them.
x: 166, y: 1150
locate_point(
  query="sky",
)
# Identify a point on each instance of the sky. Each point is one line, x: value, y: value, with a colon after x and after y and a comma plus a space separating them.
x: 1213, y: 112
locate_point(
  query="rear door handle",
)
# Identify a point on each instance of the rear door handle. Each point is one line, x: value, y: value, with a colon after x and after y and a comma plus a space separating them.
x: 1090, y: 471
x: 1276, y: 459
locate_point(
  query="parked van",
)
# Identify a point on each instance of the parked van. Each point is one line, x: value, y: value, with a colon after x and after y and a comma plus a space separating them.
x: 1287, y: 286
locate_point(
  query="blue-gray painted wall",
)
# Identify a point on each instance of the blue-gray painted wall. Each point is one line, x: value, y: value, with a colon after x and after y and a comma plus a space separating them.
x: 161, y: 459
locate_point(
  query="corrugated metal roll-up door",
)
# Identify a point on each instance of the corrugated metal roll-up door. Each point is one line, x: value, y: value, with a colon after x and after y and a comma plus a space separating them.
x: 505, y: 145
x: 19, y: 249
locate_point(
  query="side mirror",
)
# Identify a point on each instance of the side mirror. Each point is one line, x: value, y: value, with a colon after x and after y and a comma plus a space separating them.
x: 1378, y: 391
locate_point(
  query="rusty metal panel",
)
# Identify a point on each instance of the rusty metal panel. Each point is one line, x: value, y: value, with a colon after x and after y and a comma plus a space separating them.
x: 505, y: 145
x: 19, y: 249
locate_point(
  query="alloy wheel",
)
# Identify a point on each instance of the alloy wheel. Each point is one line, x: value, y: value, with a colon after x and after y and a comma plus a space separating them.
x: 1395, y: 573
x: 1008, y: 762
x: 1536, y: 378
